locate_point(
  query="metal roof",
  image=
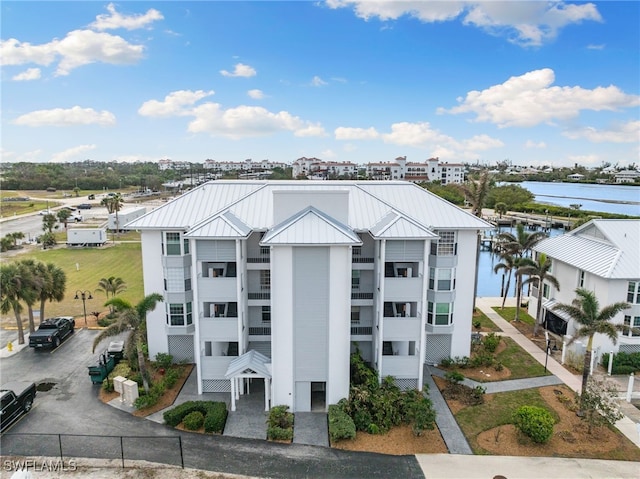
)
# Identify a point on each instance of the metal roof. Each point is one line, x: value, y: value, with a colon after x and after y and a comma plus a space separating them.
x: 225, y: 225
x: 251, y: 202
x: 606, y: 248
x: 310, y: 227
x: 251, y: 362
x: 399, y: 227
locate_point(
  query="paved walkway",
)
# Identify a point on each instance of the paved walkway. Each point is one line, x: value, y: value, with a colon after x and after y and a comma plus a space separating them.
x: 311, y: 428
x: 627, y: 425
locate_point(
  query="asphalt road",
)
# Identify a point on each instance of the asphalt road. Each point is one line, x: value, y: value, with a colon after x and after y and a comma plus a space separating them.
x: 71, y: 408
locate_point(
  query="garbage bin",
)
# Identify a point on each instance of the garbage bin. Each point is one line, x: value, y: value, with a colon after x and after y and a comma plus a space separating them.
x: 99, y: 372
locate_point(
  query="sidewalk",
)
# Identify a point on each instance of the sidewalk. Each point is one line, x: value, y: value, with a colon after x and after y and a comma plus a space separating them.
x: 627, y: 426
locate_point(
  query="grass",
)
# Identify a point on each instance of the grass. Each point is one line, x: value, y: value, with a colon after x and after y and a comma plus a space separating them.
x: 84, y: 269
x: 485, y: 322
x: 11, y: 208
x: 499, y: 411
x: 520, y: 363
x: 510, y: 314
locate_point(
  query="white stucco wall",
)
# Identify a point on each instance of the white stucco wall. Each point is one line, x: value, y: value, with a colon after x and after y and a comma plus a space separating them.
x: 465, y: 286
x: 153, y: 277
x: 282, y: 325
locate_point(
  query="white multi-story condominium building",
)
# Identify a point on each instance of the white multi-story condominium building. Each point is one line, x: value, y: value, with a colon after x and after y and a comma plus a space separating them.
x: 281, y: 280
x: 246, y: 165
x: 602, y: 256
x: 167, y: 164
x: 305, y: 166
x: 627, y: 176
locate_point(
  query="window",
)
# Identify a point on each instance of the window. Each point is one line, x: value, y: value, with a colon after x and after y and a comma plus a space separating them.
x: 174, y: 280
x: 173, y: 243
x: 633, y: 292
x: 545, y: 291
x: 446, y: 244
x: 442, y: 278
x: 627, y: 331
x: 265, y: 280
x: 176, y: 315
x: 186, y: 246
x: 355, y: 314
x: 580, y: 279
x: 355, y: 280
x: 432, y: 278
x: 266, y: 314
x: 440, y: 314
x: 207, y: 348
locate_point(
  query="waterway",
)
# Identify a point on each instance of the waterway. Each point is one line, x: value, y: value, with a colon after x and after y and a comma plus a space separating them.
x: 618, y: 199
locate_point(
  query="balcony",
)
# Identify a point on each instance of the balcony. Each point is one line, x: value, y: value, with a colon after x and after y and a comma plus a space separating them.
x: 401, y: 366
x: 262, y: 295
x: 361, y: 330
x: 259, y: 330
x: 403, y: 289
x: 259, y: 256
x: 219, y: 290
x: 220, y: 329
x: 361, y: 295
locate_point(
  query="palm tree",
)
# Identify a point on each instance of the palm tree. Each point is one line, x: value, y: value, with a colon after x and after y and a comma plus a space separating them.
x: 54, y: 284
x: 117, y: 202
x: 520, y: 245
x: 508, y: 265
x: 32, y: 285
x: 538, y: 273
x: 15, y: 236
x: 585, y: 310
x: 11, y: 294
x: 131, y: 317
x: 500, y: 208
x: 476, y: 193
x: 111, y: 286
x: 63, y: 217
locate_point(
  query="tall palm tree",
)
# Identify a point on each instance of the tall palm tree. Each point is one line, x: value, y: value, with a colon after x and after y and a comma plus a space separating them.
x: 32, y: 286
x: 54, y: 284
x: 507, y: 265
x: 117, y: 201
x: 11, y: 294
x: 475, y: 193
x: 585, y: 310
x: 131, y: 317
x: 520, y: 246
x: 537, y: 274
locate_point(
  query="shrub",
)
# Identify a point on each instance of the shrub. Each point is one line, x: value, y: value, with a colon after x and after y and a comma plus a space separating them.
x: 276, y: 433
x: 491, y: 342
x: 193, y: 421
x: 341, y: 426
x: 216, y: 417
x: 446, y: 362
x: 623, y: 363
x: 454, y: 377
x: 164, y: 360
x: 483, y: 358
x: 419, y: 411
x: 373, y: 429
x: 171, y: 377
x: 535, y: 423
x: 107, y: 385
x: 104, y: 322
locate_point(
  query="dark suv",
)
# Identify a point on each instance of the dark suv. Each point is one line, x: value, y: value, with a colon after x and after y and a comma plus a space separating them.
x: 84, y: 206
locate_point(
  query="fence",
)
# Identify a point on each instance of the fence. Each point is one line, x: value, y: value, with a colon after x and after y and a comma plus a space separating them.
x: 159, y: 449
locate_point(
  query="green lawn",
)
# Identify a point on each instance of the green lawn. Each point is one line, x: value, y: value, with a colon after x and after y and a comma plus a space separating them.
x: 519, y: 362
x: 485, y: 322
x: 510, y: 313
x: 475, y: 419
x: 85, y: 267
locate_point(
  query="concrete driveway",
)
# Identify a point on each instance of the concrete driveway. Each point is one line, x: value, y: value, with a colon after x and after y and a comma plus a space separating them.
x: 72, y: 407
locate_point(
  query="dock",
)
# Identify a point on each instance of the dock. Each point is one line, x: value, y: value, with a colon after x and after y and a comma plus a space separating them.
x: 530, y: 221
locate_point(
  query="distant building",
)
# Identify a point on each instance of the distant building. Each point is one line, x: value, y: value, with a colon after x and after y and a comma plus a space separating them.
x: 246, y: 166
x: 627, y: 176
x: 281, y: 280
x: 575, y: 177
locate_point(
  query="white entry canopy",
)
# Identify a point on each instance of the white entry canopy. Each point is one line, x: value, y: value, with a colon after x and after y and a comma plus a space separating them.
x: 251, y: 364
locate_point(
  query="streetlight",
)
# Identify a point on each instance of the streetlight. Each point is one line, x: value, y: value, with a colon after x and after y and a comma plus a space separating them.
x: 84, y: 295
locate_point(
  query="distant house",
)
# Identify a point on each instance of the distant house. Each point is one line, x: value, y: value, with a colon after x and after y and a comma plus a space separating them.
x: 627, y: 176
x: 602, y: 256
x: 575, y: 177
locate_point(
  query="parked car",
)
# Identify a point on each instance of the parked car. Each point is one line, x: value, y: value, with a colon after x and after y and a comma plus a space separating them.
x: 51, y: 332
x: 69, y: 208
x: 16, y: 399
x: 84, y: 206
x: 77, y: 217
x: 91, y: 197
x: 44, y: 212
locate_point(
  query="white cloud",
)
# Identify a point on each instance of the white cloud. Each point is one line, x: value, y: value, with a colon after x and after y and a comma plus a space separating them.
x: 533, y: 144
x: 529, y: 100
x: 524, y: 23
x: 134, y: 158
x: 176, y: 103
x: 317, y: 81
x: 256, y: 94
x: 66, y: 117
x: 344, y: 133
x: 310, y: 130
x: 114, y: 20
x: 240, y: 70
x: 327, y: 154
x: 595, y: 47
x: 28, y: 75
x: 628, y: 132
x: 77, y: 48
x: 421, y: 135
x: 71, y: 154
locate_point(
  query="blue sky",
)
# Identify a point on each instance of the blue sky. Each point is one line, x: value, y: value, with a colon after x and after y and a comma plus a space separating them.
x: 536, y: 83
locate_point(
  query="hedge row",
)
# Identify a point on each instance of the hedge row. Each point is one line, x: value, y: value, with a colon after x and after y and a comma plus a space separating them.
x: 280, y: 424
x: 214, y: 412
x: 623, y: 363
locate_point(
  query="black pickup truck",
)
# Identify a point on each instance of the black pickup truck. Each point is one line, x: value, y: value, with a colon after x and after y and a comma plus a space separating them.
x: 17, y: 399
x: 51, y: 332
